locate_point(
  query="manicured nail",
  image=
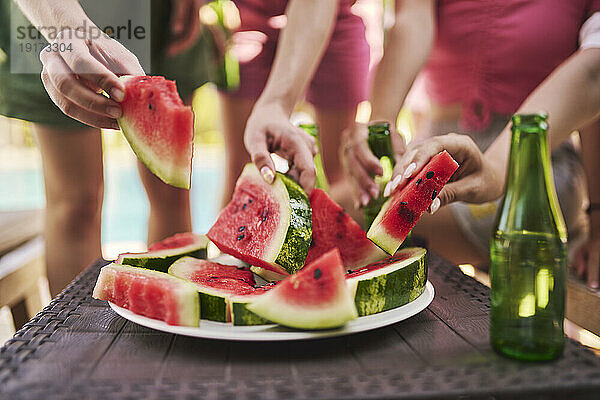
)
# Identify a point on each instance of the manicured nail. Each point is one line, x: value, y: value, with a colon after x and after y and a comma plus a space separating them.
x: 364, y: 199
x: 267, y: 174
x: 114, y: 112
x: 594, y: 284
x: 388, y: 189
x: 435, y: 205
x: 117, y: 94
x: 409, y: 170
x: 395, y: 182
x: 356, y: 204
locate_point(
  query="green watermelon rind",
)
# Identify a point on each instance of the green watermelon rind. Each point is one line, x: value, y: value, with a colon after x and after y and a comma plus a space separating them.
x: 299, y: 234
x: 379, y: 235
x: 176, y: 176
x: 161, y: 260
x: 390, y: 287
x: 188, y: 299
x: 241, y: 315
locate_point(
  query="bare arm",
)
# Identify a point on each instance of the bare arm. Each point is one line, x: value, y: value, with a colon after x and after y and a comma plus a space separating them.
x: 299, y: 51
x: 570, y: 96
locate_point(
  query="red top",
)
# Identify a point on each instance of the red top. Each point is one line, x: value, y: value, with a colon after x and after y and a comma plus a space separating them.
x: 489, y: 55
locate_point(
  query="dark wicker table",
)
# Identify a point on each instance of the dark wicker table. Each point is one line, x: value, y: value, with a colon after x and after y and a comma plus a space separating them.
x: 78, y: 348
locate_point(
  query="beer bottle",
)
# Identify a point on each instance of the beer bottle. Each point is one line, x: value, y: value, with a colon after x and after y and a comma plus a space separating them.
x: 528, y: 251
x: 321, y: 179
x: 380, y: 143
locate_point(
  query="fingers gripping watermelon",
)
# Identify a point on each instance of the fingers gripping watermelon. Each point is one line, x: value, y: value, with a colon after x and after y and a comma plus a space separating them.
x: 217, y: 284
x: 158, y: 127
x: 400, y: 213
x: 150, y: 293
x: 268, y: 226
x: 314, y: 298
x: 162, y: 254
x: 389, y: 283
x: 333, y: 228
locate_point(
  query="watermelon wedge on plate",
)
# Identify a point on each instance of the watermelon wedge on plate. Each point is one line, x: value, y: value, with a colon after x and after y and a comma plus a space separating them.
x: 161, y: 255
x: 333, y: 228
x: 217, y: 284
x: 400, y: 213
x: 158, y: 127
x: 268, y: 226
x: 314, y: 298
x: 389, y: 283
x: 149, y: 293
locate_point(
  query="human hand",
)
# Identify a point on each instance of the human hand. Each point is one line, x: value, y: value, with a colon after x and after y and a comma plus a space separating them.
x: 361, y: 165
x: 269, y: 130
x: 76, y: 70
x: 477, y: 179
x: 587, y: 260
x: 184, y: 24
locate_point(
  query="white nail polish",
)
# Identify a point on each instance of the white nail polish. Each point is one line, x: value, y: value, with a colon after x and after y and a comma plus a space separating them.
x: 409, y: 170
x: 374, y: 192
x: 388, y: 189
x: 396, y: 181
x: 435, y: 205
x: 364, y: 200
x: 267, y: 174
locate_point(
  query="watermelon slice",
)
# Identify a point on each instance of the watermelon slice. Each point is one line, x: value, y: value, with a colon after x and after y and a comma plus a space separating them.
x: 159, y: 127
x: 150, y: 293
x: 333, y: 228
x: 217, y: 283
x: 268, y: 226
x: 161, y: 255
x: 389, y: 283
x: 403, y: 209
x: 315, y: 298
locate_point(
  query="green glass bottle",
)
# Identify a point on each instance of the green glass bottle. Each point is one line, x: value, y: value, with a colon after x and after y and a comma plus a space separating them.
x: 528, y: 251
x: 225, y: 70
x: 380, y: 143
x: 321, y: 179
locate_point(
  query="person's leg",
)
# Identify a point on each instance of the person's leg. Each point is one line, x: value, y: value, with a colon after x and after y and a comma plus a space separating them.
x: 235, y: 111
x: 444, y: 237
x: 169, y: 207
x: 332, y: 122
x: 73, y: 178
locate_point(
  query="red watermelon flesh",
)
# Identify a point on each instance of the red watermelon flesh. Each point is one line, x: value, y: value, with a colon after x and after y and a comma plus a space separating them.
x: 316, y: 297
x: 403, y: 209
x: 333, y: 228
x: 149, y: 293
x: 159, y: 127
x: 174, y: 242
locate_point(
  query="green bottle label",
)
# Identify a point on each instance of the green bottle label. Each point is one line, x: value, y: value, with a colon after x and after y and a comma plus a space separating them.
x: 321, y: 179
x: 528, y: 251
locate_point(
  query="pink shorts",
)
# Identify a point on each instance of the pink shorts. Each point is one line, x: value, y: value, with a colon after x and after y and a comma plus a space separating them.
x: 340, y: 80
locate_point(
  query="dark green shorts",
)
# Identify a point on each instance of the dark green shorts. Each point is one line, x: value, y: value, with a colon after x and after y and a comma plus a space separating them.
x: 23, y: 95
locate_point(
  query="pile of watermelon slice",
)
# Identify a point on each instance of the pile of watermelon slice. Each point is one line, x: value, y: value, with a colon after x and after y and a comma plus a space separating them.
x: 324, y: 270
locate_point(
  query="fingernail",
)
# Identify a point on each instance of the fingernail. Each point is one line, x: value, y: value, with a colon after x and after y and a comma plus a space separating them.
x: 395, y: 182
x: 388, y: 189
x: 356, y: 204
x: 374, y: 192
x: 409, y: 170
x: 114, y: 112
x: 267, y: 174
x: 364, y: 199
x: 435, y: 205
x: 594, y: 284
x: 117, y: 94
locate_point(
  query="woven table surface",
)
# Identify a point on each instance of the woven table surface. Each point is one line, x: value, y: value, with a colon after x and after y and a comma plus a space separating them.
x: 78, y: 348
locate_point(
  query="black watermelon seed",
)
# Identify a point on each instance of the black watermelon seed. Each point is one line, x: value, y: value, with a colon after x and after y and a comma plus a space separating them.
x: 241, y: 228
x: 433, y: 195
x: 250, y: 200
x: 429, y: 175
x: 244, y: 206
x: 241, y: 237
x: 403, y: 203
x: 339, y: 235
x: 351, y: 271
x: 214, y: 277
x: 419, y: 181
x: 150, y: 106
x: 264, y: 214
x: 318, y: 273
x: 241, y: 268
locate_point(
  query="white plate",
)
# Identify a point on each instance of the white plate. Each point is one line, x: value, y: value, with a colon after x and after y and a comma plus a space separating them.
x: 227, y: 331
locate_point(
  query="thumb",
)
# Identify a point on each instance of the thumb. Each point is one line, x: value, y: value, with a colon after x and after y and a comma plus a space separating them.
x: 448, y: 194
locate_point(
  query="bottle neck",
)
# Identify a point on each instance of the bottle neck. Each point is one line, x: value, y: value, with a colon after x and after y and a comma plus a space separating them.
x: 381, y: 145
x: 530, y: 202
